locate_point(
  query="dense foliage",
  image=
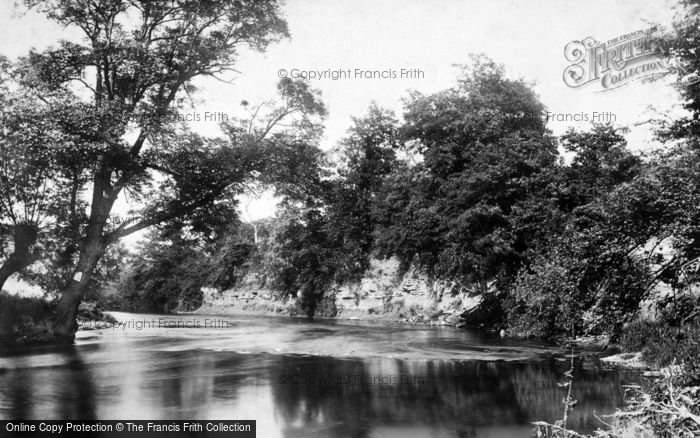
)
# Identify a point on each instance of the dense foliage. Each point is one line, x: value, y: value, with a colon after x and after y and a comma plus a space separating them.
x: 560, y: 236
x: 474, y: 191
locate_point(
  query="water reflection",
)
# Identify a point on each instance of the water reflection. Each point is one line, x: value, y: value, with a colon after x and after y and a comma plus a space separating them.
x: 36, y: 389
x: 301, y: 396
x: 449, y: 398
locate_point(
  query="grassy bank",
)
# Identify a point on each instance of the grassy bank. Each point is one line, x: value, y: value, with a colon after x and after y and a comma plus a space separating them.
x: 26, y: 321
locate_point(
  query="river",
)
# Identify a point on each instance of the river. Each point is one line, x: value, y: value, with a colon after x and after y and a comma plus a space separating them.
x: 299, y: 378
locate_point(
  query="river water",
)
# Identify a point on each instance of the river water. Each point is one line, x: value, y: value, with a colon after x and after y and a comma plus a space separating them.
x: 307, y: 379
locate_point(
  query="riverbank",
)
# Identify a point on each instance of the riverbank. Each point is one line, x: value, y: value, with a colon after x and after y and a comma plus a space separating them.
x: 667, y: 403
x: 385, y: 293
x: 26, y: 320
x: 663, y: 406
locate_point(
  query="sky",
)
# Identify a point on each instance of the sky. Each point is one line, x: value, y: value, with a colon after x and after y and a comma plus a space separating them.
x: 527, y: 37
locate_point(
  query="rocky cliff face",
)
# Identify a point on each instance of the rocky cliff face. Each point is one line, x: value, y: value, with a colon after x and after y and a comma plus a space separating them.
x: 383, y: 293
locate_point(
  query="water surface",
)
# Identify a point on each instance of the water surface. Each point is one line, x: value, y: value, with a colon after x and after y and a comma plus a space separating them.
x: 307, y: 379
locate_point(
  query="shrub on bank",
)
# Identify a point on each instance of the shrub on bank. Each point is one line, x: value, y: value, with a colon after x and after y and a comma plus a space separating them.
x: 92, y: 311
x: 668, y: 407
x: 23, y: 319
x: 662, y: 345
x: 542, y: 303
x: 27, y: 320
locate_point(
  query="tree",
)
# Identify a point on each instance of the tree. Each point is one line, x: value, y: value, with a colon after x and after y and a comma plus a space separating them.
x: 601, y: 161
x: 679, y: 173
x: 367, y: 155
x: 586, y: 272
x: 33, y: 177
x: 327, y: 237
x: 449, y: 214
x: 143, y: 56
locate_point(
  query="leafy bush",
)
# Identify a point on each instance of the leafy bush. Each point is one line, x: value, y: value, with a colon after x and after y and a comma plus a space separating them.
x: 226, y: 265
x: 169, y: 277
x: 90, y: 311
x: 543, y: 303
x: 676, y: 309
x: 23, y: 319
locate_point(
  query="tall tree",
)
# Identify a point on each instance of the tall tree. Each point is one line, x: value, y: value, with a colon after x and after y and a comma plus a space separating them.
x: 367, y: 155
x: 449, y: 214
x: 33, y: 181
x: 143, y: 56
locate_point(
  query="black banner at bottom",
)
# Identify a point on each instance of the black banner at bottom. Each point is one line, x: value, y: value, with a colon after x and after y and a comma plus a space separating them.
x: 128, y: 428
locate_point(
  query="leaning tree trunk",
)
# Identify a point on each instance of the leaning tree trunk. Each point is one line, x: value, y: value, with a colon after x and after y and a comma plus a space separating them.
x: 24, y: 237
x: 65, y: 319
x: 92, y: 248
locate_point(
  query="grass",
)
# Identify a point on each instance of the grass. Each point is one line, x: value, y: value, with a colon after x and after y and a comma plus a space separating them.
x: 664, y: 345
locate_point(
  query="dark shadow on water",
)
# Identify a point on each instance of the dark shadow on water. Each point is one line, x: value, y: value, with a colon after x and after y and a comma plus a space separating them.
x: 462, y: 397
x: 68, y: 388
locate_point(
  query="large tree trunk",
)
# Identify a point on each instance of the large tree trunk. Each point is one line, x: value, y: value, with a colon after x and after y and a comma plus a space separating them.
x: 65, y: 323
x: 24, y: 237
x: 92, y: 248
